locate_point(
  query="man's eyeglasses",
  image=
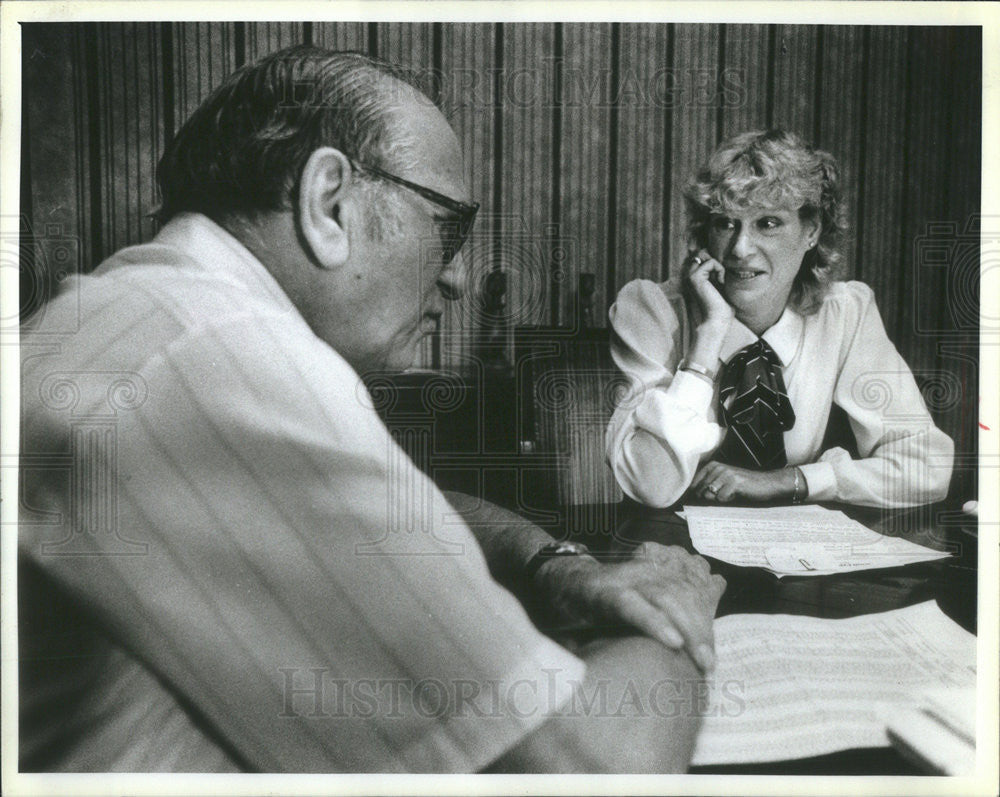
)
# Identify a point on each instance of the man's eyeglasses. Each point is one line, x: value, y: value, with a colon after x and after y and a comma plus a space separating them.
x: 456, y: 230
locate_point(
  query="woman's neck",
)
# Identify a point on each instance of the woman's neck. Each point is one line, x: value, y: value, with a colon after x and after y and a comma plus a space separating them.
x: 759, y: 320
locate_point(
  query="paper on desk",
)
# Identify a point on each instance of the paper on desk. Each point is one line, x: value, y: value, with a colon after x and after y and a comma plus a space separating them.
x: 788, y: 686
x: 940, y: 733
x: 797, y: 540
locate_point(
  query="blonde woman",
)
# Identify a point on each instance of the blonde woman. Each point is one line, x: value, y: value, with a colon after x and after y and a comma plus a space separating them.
x: 735, y: 371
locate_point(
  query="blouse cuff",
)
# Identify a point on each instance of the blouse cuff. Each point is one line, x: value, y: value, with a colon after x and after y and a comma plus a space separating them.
x: 691, y: 391
x: 657, y: 413
x: 821, y: 481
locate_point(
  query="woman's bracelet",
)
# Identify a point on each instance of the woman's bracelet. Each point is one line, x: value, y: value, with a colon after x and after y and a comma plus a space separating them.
x: 698, y: 370
x: 796, y: 498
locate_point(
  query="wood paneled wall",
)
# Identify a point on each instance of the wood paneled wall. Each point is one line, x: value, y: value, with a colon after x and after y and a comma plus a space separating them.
x: 578, y: 139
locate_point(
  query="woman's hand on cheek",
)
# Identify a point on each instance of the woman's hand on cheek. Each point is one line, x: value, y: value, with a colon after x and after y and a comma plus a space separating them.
x: 701, y: 267
x: 718, y: 482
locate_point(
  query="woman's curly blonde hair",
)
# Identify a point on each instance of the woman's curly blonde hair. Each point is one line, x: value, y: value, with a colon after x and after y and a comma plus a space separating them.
x: 774, y: 168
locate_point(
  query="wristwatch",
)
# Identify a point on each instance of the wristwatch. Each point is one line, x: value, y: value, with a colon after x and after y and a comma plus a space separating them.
x: 551, y: 551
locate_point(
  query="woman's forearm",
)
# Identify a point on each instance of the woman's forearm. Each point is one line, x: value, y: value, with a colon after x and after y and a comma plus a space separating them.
x: 707, y: 344
x: 654, y: 448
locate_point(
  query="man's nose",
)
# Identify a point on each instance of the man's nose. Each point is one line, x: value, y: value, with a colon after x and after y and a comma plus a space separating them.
x: 452, y: 279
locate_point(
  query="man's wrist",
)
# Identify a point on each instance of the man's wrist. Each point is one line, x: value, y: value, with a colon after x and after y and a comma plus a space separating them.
x: 554, y: 591
x: 553, y: 551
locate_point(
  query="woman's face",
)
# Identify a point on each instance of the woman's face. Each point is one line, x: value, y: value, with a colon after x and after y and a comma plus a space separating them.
x: 761, y: 250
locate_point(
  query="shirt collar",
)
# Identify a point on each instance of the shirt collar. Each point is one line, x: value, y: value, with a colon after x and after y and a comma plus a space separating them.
x: 218, y: 251
x: 783, y: 336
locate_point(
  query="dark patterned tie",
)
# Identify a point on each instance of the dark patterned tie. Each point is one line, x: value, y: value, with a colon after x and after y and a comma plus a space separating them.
x: 754, y: 407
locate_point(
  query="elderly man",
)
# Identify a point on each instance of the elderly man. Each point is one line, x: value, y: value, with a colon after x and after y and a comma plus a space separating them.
x: 215, y: 576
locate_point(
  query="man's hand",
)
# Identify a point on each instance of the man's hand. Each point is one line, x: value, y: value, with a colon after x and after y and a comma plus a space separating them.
x: 718, y: 482
x: 665, y: 593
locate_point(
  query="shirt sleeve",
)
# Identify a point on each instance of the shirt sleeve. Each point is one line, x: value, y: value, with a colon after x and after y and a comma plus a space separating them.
x: 905, y: 459
x: 280, y: 563
x: 663, y: 427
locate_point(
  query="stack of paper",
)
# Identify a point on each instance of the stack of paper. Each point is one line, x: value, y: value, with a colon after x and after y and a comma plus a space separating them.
x: 789, y: 687
x: 939, y: 733
x: 797, y: 540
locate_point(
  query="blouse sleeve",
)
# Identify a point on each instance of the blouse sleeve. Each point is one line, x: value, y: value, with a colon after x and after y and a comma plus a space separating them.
x: 905, y: 459
x: 660, y: 431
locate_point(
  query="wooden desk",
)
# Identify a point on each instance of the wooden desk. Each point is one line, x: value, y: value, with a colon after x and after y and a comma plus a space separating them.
x: 951, y: 582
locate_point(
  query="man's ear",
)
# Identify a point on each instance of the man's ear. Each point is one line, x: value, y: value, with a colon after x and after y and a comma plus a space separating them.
x: 322, y: 190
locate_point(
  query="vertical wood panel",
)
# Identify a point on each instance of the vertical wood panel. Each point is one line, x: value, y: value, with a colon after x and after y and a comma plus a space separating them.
x: 204, y: 55
x: 526, y: 171
x: 927, y: 139
x: 961, y: 354
x: 129, y: 105
x: 83, y: 132
x: 341, y: 36
x: 899, y: 107
x: 745, y: 58
x: 964, y: 183
x: 410, y: 46
x: 693, y: 124
x: 58, y: 148
x: 268, y: 37
x: 643, y: 185
x: 468, y: 99
x: 939, y: 114
x: 406, y: 44
x: 794, y: 70
x: 585, y: 160
x: 879, y: 253
x: 840, y: 121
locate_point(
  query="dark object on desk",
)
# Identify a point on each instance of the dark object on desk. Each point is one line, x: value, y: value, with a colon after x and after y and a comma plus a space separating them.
x: 528, y: 436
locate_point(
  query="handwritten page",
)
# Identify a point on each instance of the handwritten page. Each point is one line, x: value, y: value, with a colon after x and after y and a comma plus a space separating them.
x: 787, y: 686
x: 797, y: 540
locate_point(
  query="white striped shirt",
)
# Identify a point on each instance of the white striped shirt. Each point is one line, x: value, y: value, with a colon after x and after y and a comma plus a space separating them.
x: 280, y: 588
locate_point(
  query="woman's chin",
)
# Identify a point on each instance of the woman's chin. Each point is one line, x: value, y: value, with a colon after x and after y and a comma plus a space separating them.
x: 745, y: 293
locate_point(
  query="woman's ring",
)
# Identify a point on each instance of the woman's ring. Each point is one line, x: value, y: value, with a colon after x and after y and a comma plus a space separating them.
x: 712, y: 488
x: 697, y: 261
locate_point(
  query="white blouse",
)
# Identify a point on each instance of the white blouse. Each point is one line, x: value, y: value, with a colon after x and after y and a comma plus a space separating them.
x: 666, y: 426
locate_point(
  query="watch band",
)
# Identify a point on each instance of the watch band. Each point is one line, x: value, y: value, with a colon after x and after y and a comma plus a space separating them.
x: 552, y: 550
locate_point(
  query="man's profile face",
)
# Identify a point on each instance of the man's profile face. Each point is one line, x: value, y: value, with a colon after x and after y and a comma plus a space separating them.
x: 398, y: 283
